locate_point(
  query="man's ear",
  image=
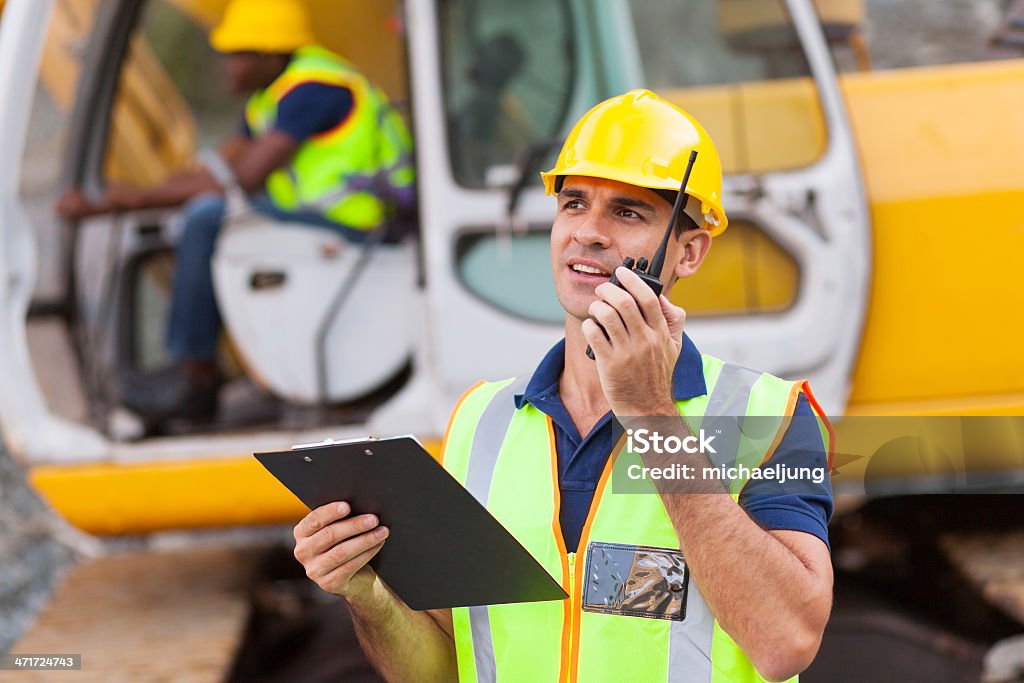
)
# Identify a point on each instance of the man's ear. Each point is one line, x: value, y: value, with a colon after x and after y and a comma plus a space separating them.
x: 696, y: 244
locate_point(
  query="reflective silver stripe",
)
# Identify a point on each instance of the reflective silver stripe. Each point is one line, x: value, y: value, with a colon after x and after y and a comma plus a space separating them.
x: 726, y: 409
x: 332, y: 199
x: 483, y: 458
x: 483, y: 646
x: 732, y: 391
x: 689, y: 641
x: 488, y: 437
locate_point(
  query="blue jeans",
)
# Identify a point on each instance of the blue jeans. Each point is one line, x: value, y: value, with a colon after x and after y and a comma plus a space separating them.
x: 194, y: 324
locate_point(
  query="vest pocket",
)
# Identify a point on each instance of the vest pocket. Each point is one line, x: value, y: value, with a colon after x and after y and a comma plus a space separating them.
x: 635, y: 581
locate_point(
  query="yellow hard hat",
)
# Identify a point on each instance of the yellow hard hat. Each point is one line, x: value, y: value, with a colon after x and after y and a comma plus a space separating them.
x: 640, y: 139
x: 273, y: 26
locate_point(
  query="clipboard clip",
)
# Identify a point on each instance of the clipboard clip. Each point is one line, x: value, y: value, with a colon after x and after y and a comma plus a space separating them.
x: 332, y: 442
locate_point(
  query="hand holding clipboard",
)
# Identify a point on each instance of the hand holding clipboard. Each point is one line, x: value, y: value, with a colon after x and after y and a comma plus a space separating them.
x: 443, y: 548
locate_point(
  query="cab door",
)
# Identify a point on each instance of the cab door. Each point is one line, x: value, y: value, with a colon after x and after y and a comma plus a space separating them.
x: 787, y: 289
x: 784, y: 289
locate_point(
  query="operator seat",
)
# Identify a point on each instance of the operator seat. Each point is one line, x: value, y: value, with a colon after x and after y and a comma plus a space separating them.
x: 315, y: 318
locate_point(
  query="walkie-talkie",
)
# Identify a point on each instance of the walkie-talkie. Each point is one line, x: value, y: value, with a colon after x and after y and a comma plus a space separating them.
x: 651, y: 274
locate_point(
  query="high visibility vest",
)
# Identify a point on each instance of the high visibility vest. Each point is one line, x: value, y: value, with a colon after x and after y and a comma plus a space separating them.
x: 348, y: 172
x: 506, y: 458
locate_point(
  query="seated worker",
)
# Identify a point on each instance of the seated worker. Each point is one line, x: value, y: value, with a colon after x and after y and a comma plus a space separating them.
x: 319, y: 144
x: 692, y: 583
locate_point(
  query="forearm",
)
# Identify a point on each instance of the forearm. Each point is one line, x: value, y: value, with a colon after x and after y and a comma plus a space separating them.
x: 763, y: 594
x: 772, y: 599
x: 178, y: 189
x: 403, y: 645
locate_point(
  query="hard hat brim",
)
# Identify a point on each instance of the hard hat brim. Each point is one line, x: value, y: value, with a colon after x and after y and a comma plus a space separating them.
x: 596, y: 169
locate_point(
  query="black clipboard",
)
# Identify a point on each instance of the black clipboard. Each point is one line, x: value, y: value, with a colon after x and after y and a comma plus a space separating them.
x: 444, y: 549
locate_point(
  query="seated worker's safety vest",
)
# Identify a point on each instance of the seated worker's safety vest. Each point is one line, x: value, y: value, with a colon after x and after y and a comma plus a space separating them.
x: 633, y: 614
x: 348, y: 173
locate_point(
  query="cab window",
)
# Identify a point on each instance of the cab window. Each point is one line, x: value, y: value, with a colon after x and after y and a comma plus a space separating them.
x: 507, y: 80
x: 739, y: 68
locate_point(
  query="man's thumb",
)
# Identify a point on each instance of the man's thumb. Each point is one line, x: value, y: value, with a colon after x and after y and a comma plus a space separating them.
x: 674, y: 316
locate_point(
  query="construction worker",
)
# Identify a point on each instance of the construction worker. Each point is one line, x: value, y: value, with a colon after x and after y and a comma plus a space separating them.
x: 319, y: 144
x: 713, y: 582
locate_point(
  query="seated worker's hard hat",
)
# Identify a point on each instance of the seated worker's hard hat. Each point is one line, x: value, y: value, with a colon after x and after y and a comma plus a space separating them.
x: 271, y: 26
x: 640, y: 139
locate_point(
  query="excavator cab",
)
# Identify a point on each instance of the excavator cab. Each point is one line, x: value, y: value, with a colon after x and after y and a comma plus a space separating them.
x: 342, y: 313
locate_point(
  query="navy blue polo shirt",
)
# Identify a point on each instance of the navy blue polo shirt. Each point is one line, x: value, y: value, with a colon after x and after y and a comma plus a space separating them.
x: 309, y: 109
x: 581, y: 460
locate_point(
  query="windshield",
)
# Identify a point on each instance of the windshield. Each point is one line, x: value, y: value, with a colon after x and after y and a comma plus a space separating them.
x: 508, y: 71
x: 516, y: 73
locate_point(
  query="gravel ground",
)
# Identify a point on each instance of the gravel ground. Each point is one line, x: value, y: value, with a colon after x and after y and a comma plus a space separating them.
x: 30, y: 560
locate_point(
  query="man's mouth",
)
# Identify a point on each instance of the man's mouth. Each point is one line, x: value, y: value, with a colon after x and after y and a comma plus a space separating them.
x: 588, y: 272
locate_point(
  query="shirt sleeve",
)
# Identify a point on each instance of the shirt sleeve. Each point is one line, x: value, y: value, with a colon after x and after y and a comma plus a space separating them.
x: 795, y: 505
x: 313, y: 108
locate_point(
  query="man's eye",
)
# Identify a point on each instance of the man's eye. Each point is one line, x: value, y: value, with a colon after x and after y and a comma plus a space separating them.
x: 573, y: 204
x: 629, y: 213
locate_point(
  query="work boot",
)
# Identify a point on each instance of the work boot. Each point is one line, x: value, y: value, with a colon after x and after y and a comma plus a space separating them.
x: 187, y: 390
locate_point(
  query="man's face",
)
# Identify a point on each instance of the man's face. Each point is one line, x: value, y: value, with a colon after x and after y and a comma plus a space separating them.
x: 600, y: 222
x: 247, y: 72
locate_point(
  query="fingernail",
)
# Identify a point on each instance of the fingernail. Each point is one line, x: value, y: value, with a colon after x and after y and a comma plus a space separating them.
x: 370, y: 521
x: 343, y: 508
x: 381, y: 533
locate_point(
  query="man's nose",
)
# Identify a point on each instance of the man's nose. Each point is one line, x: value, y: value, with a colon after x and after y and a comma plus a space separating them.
x: 591, y: 233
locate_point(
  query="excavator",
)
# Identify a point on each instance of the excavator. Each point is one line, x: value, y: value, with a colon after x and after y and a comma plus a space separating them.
x: 875, y: 239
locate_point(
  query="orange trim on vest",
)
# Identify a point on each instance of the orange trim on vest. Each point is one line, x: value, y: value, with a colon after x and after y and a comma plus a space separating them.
x: 821, y: 414
x: 451, y: 419
x: 311, y: 81
x: 556, y: 526
x: 602, y: 484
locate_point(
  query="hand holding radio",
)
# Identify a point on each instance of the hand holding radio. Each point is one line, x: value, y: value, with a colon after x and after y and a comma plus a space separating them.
x: 651, y: 274
x: 644, y: 338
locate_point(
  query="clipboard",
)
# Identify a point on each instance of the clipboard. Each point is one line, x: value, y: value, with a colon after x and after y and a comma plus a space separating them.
x: 444, y: 549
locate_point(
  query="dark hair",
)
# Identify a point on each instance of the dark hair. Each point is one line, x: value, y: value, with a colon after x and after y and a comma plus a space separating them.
x: 683, y: 222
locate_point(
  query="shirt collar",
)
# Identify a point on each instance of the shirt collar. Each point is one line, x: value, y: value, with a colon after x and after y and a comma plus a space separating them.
x: 687, y: 377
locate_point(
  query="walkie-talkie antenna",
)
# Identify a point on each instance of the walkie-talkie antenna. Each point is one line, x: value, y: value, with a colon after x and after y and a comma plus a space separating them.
x: 659, y: 256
